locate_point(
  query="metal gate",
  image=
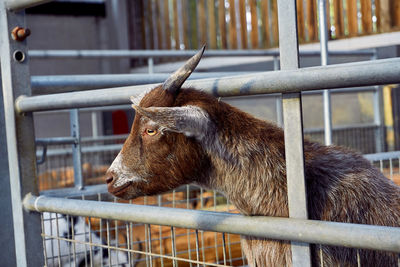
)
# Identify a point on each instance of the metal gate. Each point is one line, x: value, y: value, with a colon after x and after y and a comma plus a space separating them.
x: 101, y: 223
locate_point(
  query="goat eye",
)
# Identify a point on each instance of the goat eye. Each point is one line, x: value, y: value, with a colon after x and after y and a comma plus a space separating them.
x: 151, y: 132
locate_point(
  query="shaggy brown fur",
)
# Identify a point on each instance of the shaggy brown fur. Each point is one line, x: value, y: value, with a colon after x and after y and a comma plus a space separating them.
x: 244, y: 158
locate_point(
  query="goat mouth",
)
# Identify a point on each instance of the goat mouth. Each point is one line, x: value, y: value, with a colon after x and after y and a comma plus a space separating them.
x: 116, y: 191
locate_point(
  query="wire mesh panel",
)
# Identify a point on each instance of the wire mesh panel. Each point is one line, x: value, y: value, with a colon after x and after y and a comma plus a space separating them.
x: 86, y: 241
x: 362, y: 138
x: 57, y: 170
x: 390, y: 167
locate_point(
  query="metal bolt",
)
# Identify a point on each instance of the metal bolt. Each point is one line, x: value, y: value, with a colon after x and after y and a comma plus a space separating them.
x: 19, y: 34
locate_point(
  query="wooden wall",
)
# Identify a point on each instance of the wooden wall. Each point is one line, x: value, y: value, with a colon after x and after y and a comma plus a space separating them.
x: 249, y: 24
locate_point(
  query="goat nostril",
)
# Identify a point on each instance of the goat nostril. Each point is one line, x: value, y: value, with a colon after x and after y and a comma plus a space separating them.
x: 109, y: 179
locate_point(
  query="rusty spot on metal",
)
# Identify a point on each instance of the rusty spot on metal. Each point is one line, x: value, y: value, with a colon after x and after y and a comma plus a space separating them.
x: 20, y: 34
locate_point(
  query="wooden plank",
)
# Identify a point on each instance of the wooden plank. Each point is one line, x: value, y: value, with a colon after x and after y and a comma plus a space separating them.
x: 300, y: 21
x: 149, y: 23
x: 265, y: 32
x: 185, y: 23
x: 382, y: 14
x: 212, y: 27
x: 312, y: 24
x: 222, y: 23
x: 193, y: 24
x: 143, y: 22
x: 136, y: 25
x: 338, y: 18
x: 395, y: 13
x: 243, y: 23
x: 159, y: 28
x: 167, y: 25
x: 352, y: 17
x: 201, y: 11
x: 366, y: 16
x: 274, y: 22
x: 378, y: 15
x: 254, y: 24
x: 176, y: 24
x: 232, y: 25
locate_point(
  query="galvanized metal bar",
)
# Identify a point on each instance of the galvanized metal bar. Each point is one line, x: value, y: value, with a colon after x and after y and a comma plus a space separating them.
x: 7, y: 253
x: 378, y: 120
x: 383, y: 71
x: 278, y: 100
x: 15, y: 82
x: 350, y: 90
x: 293, y: 128
x: 95, y: 128
x: 150, y: 65
x: 175, y: 53
x: 17, y: 5
x: 56, y: 141
x: 323, y: 35
x: 68, y: 83
x: 297, y: 193
x: 76, y: 149
x: 310, y: 231
x: 383, y: 156
x: 343, y: 127
x: 90, y: 149
x: 379, y: 137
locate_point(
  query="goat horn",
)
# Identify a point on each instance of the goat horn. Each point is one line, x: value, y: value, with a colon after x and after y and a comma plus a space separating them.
x: 175, y: 81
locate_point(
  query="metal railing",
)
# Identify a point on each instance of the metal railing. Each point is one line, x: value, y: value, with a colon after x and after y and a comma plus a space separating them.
x: 379, y: 72
x: 18, y: 106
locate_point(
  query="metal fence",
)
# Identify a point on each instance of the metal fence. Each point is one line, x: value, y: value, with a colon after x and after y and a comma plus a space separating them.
x: 123, y: 243
x: 86, y: 243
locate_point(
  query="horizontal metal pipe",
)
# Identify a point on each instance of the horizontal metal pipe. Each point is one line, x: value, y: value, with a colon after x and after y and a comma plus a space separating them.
x: 342, y: 127
x: 56, y: 141
x: 103, y: 138
x: 127, y: 106
x: 67, y: 83
x: 176, y: 53
x: 383, y: 156
x: 16, y: 5
x: 377, y: 72
x: 84, y: 150
x: 89, y: 192
x: 310, y: 231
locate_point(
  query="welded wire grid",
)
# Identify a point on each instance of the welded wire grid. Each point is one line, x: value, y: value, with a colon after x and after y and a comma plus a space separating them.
x: 86, y: 241
x: 57, y: 170
x: 390, y: 168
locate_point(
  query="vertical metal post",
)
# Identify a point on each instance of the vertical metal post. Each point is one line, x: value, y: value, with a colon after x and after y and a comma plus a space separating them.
x: 95, y: 126
x: 278, y: 100
x: 150, y: 65
x: 118, y: 32
x: 7, y: 253
x: 323, y: 40
x: 20, y: 140
x: 377, y: 114
x: 378, y: 120
x: 293, y: 127
x: 76, y: 148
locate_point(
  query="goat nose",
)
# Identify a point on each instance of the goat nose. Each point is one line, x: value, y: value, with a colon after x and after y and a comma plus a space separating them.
x: 109, y: 179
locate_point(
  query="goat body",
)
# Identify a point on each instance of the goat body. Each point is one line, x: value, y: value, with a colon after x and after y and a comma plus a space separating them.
x: 187, y: 136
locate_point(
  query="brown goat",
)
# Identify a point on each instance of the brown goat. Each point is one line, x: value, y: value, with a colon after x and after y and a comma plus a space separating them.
x: 182, y: 136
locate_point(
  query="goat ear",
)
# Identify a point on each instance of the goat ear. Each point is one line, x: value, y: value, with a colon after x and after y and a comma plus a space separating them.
x: 192, y: 121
